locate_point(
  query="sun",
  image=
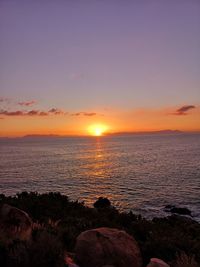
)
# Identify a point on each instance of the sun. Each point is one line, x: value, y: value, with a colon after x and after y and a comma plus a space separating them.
x: 97, y: 129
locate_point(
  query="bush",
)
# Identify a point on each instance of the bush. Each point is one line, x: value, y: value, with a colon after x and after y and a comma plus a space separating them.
x: 44, y: 250
x: 184, y: 260
x: 58, y: 222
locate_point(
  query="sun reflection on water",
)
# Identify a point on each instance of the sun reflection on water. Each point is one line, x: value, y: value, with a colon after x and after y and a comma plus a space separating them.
x: 98, y: 170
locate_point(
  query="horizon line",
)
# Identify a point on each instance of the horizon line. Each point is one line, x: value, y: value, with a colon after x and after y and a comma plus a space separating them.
x: 167, y: 131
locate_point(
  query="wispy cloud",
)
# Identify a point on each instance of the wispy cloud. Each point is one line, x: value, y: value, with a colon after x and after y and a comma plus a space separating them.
x: 76, y: 114
x: 7, y: 100
x: 57, y: 111
x: 50, y: 112
x: 27, y: 103
x: 89, y: 114
x: 37, y: 113
x: 8, y: 104
x: 4, y: 99
x: 11, y: 113
x: 23, y: 113
x: 183, y: 110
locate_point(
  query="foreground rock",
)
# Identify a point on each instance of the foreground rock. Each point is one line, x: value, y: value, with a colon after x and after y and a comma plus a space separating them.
x: 14, y: 224
x: 107, y: 247
x: 154, y: 262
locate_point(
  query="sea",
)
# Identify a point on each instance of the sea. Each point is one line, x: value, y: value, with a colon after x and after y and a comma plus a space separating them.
x: 141, y: 173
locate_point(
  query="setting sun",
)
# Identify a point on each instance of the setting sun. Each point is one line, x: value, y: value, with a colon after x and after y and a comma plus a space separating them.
x: 97, y: 129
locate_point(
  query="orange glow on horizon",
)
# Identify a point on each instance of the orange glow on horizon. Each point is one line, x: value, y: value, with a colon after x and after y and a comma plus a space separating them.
x: 143, y: 120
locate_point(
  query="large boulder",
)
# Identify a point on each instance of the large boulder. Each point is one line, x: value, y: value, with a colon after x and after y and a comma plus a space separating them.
x: 14, y: 224
x: 154, y: 262
x: 107, y: 247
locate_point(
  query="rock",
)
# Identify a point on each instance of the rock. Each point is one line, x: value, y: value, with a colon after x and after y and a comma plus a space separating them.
x: 181, y: 211
x: 107, y: 247
x: 102, y: 203
x: 177, y: 210
x: 154, y: 262
x: 14, y: 224
x: 70, y: 261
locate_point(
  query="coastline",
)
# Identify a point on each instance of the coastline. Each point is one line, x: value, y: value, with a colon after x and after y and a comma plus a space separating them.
x: 160, y: 237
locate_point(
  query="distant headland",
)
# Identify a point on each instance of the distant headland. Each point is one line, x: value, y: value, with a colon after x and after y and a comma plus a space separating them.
x: 110, y: 134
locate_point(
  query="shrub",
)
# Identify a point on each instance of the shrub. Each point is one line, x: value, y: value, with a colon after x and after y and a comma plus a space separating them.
x: 184, y: 260
x: 58, y: 221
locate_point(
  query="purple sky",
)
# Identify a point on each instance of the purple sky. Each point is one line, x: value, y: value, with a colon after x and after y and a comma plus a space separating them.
x: 80, y: 55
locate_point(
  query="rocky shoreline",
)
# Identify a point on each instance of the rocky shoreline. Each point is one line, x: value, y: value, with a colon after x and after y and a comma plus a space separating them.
x: 50, y: 230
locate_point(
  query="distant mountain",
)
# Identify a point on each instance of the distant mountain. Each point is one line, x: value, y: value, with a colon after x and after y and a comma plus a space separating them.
x: 41, y: 136
x: 148, y: 132
x: 161, y: 132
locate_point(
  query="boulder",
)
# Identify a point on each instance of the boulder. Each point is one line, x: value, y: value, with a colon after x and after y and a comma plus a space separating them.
x: 14, y: 224
x: 107, y: 247
x: 102, y: 203
x: 154, y: 262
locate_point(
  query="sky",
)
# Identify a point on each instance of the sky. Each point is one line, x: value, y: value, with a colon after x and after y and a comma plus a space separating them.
x: 67, y: 65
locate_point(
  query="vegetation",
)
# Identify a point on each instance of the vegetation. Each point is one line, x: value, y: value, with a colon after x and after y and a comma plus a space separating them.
x: 58, y: 221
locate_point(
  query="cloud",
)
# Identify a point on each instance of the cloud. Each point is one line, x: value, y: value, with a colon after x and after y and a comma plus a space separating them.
x: 57, y: 111
x: 32, y: 113
x: 21, y: 103
x: 89, y: 114
x: 36, y: 113
x: 4, y: 99
x: 76, y: 114
x: 23, y: 113
x: 11, y: 113
x: 27, y: 103
x: 183, y: 110
x: 50, y: 112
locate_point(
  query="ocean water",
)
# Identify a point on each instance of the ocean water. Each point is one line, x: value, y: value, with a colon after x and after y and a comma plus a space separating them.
x: 142, y: 173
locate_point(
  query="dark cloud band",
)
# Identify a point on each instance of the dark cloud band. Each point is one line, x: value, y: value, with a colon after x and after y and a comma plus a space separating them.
x: 52, y: 111
x: 183, y: 110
